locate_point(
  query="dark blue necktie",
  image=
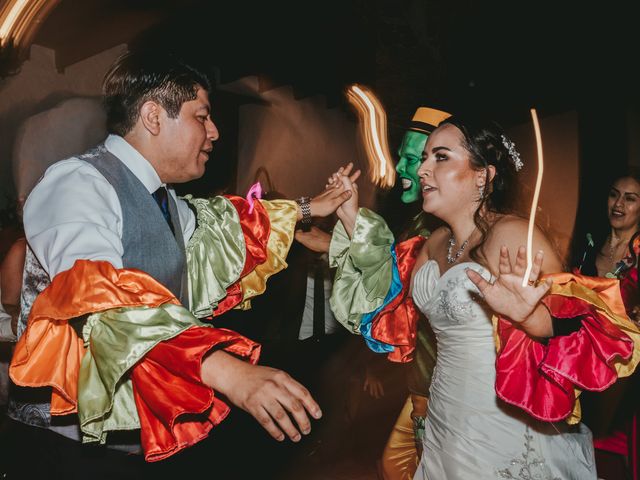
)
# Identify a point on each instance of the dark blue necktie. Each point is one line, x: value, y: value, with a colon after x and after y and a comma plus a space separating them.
x: 162, y: 199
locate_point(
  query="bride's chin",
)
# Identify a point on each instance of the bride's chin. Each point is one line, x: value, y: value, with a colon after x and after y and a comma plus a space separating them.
x: 427, y: 207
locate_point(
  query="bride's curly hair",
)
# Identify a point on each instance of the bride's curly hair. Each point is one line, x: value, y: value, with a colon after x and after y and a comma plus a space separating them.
x: 483, y: 140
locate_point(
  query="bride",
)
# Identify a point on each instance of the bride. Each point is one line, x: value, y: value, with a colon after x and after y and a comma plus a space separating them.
x: 480, y: 421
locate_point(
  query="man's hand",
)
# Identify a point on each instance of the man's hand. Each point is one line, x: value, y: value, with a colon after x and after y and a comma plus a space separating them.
x: 271, y: 396
x: 329, y: 201
x: 372, y: 384
x: 315, y: 239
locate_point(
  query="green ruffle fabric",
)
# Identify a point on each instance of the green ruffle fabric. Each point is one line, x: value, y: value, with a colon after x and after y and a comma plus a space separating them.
x: 216, y: 253
x: 363, y: 268
x: 116, y: 340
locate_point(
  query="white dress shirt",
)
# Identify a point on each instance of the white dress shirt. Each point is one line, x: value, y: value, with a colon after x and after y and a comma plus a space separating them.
x: 74, y: 213
x: 6, y: 332
x: 330, y: 322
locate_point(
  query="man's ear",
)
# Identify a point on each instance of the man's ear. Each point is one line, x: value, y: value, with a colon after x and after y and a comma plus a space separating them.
x: 150, y: 116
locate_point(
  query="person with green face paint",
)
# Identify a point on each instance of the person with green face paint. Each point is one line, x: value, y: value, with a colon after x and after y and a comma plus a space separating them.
x: 402, y: 452
x: 424, y: 121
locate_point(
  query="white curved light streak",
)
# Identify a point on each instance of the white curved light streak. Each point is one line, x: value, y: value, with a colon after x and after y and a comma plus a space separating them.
x: 536, y: 196
x: 9, y: 22
x: 374, y: 130
x: 373, y: 127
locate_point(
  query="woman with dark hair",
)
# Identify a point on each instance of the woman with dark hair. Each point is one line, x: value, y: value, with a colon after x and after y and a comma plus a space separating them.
x: 500, y: 392
x: 613, y: 253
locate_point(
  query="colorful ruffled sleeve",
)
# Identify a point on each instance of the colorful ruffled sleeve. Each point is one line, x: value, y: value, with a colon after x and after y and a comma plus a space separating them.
x: 253, y: 242
x: 370, y: 290
x: 137, y: 364
x: 546, y: 380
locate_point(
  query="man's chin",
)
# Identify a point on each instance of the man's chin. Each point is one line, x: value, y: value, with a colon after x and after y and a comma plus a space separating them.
x: 409, y: 196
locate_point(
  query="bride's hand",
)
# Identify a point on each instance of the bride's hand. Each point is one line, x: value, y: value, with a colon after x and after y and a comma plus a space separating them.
x: 345, y: 179
x: 506, y: 296
x: 332, y: 181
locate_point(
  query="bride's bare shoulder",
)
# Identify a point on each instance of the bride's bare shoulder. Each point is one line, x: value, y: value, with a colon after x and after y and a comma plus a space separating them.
x: 511, y: 231
x: 433, y: 244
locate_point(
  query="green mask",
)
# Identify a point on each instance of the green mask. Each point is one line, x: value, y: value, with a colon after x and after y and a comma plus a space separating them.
x: 410, y: 153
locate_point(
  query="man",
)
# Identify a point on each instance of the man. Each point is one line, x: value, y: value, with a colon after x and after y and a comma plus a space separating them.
x: 114, y: 258
x: 403, y: 449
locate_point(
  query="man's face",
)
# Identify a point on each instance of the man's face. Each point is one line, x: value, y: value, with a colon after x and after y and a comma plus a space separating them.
x: 410, y: 153
x: 188, y: 140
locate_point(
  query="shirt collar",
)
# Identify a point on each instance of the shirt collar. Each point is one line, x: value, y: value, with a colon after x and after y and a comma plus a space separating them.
x: 134, y: 161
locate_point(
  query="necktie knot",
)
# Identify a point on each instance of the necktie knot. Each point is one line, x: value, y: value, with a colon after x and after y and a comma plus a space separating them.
x: 161, y: 196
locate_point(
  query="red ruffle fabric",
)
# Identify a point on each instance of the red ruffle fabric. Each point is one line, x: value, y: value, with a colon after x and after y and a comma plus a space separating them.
x: 176, y: 409
x: 396, y: 324
x: 541, y: 379
x: 256, y: 228
x: 629, y: 289
x: 187, y: 409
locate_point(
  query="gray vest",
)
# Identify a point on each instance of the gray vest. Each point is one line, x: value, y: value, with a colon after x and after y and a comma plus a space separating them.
x: 149, y: 245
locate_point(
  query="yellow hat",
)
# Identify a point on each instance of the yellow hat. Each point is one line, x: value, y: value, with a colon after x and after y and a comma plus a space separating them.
x: 426, y: 120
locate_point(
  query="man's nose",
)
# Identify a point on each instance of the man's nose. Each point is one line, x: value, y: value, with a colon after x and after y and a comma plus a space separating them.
x: 212, y: 130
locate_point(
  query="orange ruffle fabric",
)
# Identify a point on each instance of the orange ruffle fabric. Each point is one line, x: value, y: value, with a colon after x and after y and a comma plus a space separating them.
x: 49, y: 352
x: 396, y: 324
x: 176, y: 409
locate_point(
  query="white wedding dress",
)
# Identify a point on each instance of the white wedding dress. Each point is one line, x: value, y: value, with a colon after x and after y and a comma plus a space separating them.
x: 471, y: 434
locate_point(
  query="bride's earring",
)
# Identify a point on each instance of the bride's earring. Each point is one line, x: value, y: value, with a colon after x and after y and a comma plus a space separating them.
x: 481, y: 191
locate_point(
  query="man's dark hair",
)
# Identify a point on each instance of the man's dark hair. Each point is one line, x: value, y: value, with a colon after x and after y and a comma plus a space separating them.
x: 137, y: 77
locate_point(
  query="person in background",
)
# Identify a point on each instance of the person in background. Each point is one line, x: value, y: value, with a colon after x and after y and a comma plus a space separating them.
x: 403, y: 449
x: 10, y: 286
x: 611, y: 250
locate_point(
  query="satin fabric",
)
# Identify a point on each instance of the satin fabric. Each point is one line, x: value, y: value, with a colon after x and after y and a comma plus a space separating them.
x: 545, y: 380
x: 253, y: 242
x: 49, y: 352
x: 397, y: 322
x: 282, y: 218
x: 620, y: 442
x: 363, y: 268
x: 400, y: 456
x: 117, y: 340
x: 187, y: 409
x: 363, y: 288
x: 219, y: 235
x: 118, y: 335
x: 256, y: 231
x: 366, y: 324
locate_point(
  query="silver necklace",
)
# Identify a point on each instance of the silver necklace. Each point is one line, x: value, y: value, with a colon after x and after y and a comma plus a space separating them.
x: 456, y: 256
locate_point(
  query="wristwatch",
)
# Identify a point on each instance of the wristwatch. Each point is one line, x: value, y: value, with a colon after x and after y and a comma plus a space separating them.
x: 305, y: 208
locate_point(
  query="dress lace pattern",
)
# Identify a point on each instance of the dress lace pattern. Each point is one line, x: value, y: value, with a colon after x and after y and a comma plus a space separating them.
x: 530, y: 467
x: 456, y: 309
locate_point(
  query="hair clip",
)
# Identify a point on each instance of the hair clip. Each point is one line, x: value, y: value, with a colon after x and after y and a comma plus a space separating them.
x: 513, y: 153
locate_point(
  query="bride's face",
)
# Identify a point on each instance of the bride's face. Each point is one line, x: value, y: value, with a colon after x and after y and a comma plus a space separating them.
x: 449, y: 185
